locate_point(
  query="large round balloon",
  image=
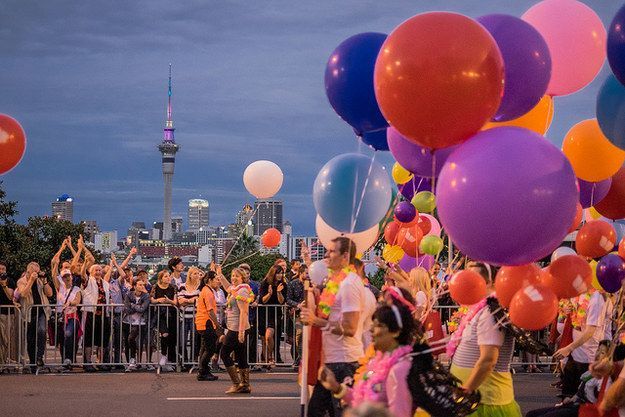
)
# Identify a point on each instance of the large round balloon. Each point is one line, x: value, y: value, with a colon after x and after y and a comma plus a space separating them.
x: 612, y: 205
x: 533, y: 307
x: 349, y: 81
x: 590, y: 193
x: 595, y: 238
x: 263, y: 179
x: 352, y: 193
x: 568, y: 276
x: 420, y: 161
x: 611, y: 272
x: 416, y: 184
x: 271, y: 238
x: 439, y: 78
x: 362, y: 240
x: 511, y: 279
x: 592, y: 155
x: 12, y: 143
x: 493, y: 189
x: 616, y: 45
x: 579, y: 215
x: 577, y: 42
x: 538, y: 119
x: 526, y: 61
x: 611, y: 111
x: 467, y: 287
x: 375, y: 139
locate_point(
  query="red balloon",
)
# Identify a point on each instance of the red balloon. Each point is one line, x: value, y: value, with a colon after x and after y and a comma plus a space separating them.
x: 425, y: 225
x: 409, y: 238
x: 510, y: 279
x: 12, y: 143
x: 271, y: 238
x: 467, y: 287
x: 439, y: 78
x: 621, y: 249
x: 568, y: 276
x: 533, y: 307
x: 596, y: 238
x: 390, y: 232
x: 613, y: 205
x: 579, y: 212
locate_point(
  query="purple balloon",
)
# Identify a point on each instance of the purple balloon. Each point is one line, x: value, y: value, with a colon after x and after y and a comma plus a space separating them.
x: 409, y: 189
x: 590, y: 193
x: 610, y: 272
x: 527, y: 64
x: 407, y: 263
x: 405, y: 212
x: 416, y: 159
x: 507, y: 196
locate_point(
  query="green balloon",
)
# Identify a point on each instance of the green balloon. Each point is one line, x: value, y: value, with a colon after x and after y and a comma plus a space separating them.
x: 424, y: 201
x: 431, y: 245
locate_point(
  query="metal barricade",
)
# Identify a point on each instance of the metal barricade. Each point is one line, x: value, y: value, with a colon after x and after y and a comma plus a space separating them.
x: 10, y: 338
x: 273, y: 334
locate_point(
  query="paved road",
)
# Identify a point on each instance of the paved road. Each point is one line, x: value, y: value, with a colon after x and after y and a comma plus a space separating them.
x: 180, y: 395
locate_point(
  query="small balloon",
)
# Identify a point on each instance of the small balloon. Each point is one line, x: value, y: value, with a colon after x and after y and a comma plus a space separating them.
x: 424, y: 201
x: 511, y: 279
x: 12, y: 143
x: 424, y: 224
x: 568, y: 276
x: 590, y: 193
x: 409, y: 238
x: 435, y: 228
x: 611, y: 272
x: 421, y: 161
x: 562, y: 251
x: 533, y: 307
x: 318, y: 272
x: 467, y: 287
x: 537, y: 120
x: 271, y: 238
x: 392, y: 253
x: 400, y: 174
x: 595, y: 238
x: 405, y: 212
x: 579, y: 214
x: 431, y: 245
x: 612, y: 205
x: 390, y: 232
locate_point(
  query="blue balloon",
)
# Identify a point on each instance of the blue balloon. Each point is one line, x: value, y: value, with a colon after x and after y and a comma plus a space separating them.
x: 611, y: 111
x: 352, y: 193
x: 616, y: 45
x: 376, y: 139
x: 349, y: 81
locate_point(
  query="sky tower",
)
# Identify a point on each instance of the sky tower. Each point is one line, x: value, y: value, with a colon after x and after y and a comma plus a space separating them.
x: 168, y: 149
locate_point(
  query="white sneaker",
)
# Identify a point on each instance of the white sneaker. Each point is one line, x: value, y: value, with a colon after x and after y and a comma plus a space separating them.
x: 132, y: 366
x: 162, y: 361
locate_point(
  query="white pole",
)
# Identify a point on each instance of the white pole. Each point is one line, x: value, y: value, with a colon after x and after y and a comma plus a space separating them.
x: 303, y: 393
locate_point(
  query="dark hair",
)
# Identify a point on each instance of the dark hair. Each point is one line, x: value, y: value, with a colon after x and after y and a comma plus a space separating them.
x: 270, y: 278
x: 358, y: 263
x: 619, y: 352
x: 127, y: 269
x: 483, y: 270
x: 142, y: 271
x: 173, y: 262
x: 302, y: 268
x: 3, y: 263
x: 385, y: 315
x: 346, y: 245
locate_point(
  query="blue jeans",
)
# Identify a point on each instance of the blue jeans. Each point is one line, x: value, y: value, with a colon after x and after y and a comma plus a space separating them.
x: 36, y: 337
x: 70, y: 340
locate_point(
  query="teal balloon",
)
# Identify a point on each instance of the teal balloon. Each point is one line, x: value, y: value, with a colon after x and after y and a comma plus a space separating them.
x: 431, y: 245
x: 352, y: 193
x: 611, y: 111
x: 424, y: 202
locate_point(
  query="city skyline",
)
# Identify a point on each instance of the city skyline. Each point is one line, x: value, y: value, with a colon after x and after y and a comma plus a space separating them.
x: 89, y: 93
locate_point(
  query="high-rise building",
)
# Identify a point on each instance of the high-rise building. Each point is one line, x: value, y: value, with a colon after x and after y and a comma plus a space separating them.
x: 90, y: 229
x: 63, y: 208
x: 244, y: 220
x: 168, y: 149
x: 106, y: 242
x: 176, y: 224
x: 268, y: 215
x: 198, y: 214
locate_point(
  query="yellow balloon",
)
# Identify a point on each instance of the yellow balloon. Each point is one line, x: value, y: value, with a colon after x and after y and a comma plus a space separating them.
x: 595, y: 281
x: 594, y: 213
x: 400, y: 174
x: 538, y: 119
x: 392, y: 253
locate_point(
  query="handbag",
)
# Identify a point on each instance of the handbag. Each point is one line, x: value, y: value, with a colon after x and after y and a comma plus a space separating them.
x: 591, y: 410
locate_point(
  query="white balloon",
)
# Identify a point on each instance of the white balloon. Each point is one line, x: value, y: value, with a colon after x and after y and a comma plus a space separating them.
x: 562, y: 251
x: 318, y: 271
x: 363, y: 240
x: 263, y: 179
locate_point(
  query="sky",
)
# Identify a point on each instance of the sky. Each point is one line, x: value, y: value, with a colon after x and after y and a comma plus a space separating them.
x: 88, y: 82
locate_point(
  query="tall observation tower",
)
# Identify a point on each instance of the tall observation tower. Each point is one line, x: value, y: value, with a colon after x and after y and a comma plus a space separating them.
x: 168, y: 149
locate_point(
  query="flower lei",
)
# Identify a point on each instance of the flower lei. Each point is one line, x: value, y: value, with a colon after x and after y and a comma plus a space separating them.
x: 561, y: 314
x: 234, y: 293
x: 456, y: 338
x: 371, y: 386
x: 328, y: 295
x: 578, y: 316
x: 454, y: 320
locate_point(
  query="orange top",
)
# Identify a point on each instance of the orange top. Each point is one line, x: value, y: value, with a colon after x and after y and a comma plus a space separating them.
x: 205, y: 303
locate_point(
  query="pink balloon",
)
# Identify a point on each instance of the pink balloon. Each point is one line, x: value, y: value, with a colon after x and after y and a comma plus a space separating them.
x: 436, y: 226
x: 577, y: 42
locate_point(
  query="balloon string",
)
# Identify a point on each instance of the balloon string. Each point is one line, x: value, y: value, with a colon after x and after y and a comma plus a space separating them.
x: 242, y: 259
x: 240, y: 234
x: 362, y: 194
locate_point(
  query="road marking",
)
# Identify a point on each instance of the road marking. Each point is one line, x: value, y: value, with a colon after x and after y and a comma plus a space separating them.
x: 228, y: 398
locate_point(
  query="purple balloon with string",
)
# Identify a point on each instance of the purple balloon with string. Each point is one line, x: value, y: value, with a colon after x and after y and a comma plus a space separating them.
x: 407, y: 263
x: 610, y: 272
x: 405, y: 212
x: 590, y: 193
x: 409, y: 189
x: 416, y: 159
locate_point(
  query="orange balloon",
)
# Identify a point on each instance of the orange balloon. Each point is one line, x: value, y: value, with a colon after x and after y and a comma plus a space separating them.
x: 533, y: 307
x: 271, y: 238
x: 579, y: 213
x: 592, y: 155
x: 612, y: 205
x: 596, y: 238
x: 511, y: 279
x: 568, y: 276
x: 12, y: 143
x: 538, y: 119
x: 467, y: 287
x: 439, y: 86
x: 409, y: 238
x: 621, y: 249
x: 390, y: 232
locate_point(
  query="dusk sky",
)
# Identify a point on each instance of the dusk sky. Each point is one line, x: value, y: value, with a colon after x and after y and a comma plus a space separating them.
x: 88, y: 82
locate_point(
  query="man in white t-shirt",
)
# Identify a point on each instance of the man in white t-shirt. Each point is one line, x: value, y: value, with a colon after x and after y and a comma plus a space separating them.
x: 586, y: 338
x: 342, y: 328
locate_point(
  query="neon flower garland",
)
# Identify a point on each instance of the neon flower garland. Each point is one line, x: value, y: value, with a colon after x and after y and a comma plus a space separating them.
x: 238, y: 297
x: 328, y: 295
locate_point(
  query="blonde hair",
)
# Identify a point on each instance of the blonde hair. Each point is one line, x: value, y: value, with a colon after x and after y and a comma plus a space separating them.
x: 420, y: 281
x: 241, y: 273
x: 193, y: 284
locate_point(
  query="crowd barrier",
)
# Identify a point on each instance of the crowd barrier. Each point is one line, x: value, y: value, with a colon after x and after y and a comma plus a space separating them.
x: 162, y: 339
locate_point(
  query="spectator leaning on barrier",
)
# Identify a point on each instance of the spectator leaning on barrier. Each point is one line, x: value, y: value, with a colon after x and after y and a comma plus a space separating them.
x: 176, y: 268
x: 188, y: 295
x: 95, y: 295
x: 117, y: 290
x: 68, y: 297
x: 136, y: 303
x: 8, y: 318
x: 164, y: 297
x: 294, y: 297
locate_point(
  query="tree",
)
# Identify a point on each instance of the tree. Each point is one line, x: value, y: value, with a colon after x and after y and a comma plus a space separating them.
x: 244, y: 246
x: 259, y: 264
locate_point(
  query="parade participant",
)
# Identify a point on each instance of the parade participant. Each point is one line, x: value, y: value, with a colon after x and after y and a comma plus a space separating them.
x: 481, y: 353
x: 339, y: 315
x: 384, y: 379
x: 207, y: 326
x: 239, y: 298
